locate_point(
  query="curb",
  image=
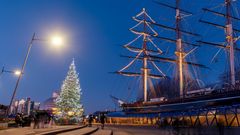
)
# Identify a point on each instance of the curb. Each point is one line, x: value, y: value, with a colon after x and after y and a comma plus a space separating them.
x: 62, y: 131
x: 93, y: 131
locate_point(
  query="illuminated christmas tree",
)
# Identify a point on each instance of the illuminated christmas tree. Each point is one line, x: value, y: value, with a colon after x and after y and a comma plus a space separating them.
x: 68, y: 102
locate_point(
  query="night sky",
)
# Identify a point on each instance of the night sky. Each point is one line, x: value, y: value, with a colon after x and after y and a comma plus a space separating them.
x: 94, y: 31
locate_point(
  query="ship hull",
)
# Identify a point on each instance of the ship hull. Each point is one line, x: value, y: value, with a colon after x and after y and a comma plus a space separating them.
x: 221, y: 99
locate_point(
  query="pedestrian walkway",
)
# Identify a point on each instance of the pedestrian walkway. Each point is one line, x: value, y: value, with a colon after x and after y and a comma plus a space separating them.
x: 31, y: 131
x: 121, y: 133
x: 103, y: 132
x: 82, y: 131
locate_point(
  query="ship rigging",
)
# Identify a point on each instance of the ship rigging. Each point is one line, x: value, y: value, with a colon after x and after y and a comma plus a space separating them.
x: 150, y: 53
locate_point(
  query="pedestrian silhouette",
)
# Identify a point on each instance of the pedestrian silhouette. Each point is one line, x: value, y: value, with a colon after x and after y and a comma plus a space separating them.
x: 36, y: 120
x: 18, y: 119
x: 102, y: 119
x: 90, y: 119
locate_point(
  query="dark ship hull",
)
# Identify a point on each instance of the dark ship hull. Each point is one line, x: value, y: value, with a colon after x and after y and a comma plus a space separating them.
x: 227, y: 98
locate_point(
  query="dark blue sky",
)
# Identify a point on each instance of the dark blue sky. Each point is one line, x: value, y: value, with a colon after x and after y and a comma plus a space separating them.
x: 95, y: 31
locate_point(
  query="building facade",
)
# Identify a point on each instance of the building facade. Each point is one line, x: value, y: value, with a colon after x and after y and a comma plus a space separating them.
x: 25, y: 106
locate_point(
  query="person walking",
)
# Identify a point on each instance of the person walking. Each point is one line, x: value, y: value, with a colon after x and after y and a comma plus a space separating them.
x: 36, y: 120
x: 102, y: 120
x: 18, y: 120
x: 90, y: 119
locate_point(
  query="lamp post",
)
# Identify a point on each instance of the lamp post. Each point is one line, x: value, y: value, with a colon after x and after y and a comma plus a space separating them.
x: 54, y: 41
x: 16, y: 72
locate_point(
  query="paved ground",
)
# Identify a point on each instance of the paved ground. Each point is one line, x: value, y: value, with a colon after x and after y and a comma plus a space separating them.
x: 44, y: 131
x: 133, y: 130
x: 144, y: 130
x: 96, y: 130
x: 123, y: 130
x: 31, y: 131
x: 80, y: 131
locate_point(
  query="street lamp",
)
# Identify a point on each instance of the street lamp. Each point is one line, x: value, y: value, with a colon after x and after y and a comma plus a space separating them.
x: 56, y: 41
x: 16, y: 72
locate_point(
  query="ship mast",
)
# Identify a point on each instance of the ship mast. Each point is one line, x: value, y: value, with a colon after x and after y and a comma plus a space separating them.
x: 180, y: 13
x: 145, y: 69
x: 179, y: 51
x: 229, y: 38
x: 147, y: 33
x: 149, y: 52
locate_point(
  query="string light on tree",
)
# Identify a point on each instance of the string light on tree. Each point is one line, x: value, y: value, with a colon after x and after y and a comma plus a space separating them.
x: 70, y: 95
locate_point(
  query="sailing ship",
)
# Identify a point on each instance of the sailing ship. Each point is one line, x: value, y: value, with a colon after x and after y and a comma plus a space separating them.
x: 149, y: 53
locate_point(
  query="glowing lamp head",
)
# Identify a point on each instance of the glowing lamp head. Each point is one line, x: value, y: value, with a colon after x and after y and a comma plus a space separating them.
x: 17, y: 72
x: 56, y: 41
